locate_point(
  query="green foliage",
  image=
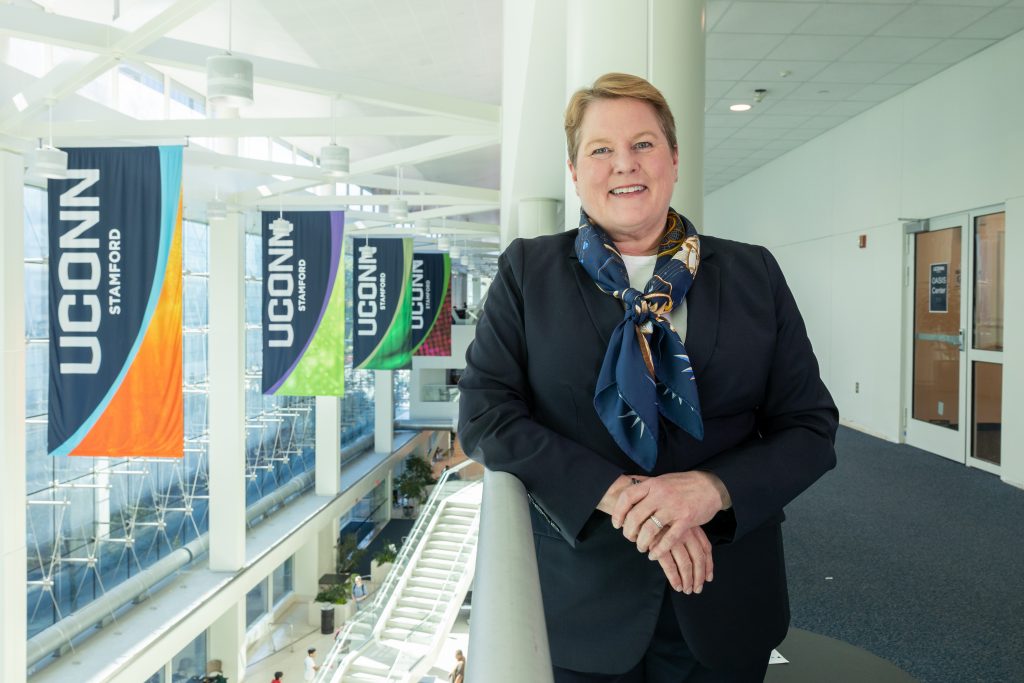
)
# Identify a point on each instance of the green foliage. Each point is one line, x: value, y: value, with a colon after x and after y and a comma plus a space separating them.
x: 350, y: 555
x: 337, y: 593
x: 386, y: 554
x: 413, y: 482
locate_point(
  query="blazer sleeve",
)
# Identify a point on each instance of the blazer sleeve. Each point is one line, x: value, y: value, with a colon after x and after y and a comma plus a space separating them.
x: 564, y: 479
x: 796, y: 427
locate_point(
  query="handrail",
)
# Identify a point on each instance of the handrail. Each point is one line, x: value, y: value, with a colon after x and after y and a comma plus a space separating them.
x: 508, y: 638
x: 335, y: 659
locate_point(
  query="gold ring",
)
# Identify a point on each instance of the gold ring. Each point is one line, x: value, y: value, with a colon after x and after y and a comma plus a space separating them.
x: 656, y: 522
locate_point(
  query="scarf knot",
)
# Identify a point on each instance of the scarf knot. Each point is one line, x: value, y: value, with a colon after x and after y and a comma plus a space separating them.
x: 646, y: 371
x: 638, y: 308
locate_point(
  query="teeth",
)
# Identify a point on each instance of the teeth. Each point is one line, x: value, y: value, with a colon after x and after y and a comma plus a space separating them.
x: 628, y: 190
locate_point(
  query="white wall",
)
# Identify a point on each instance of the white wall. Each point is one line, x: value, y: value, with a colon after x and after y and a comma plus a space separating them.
x: 952, y: 143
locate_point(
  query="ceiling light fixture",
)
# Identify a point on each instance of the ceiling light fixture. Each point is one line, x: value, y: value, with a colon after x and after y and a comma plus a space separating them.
x: 48, y: 161
x: 229, y: 80
x: 739, y: 107
x: 334, y: 159
x: 264, y: 190
x: 216, y: 209
x: 20, y: 102
x: 400, y: 207
x: 443, y: 244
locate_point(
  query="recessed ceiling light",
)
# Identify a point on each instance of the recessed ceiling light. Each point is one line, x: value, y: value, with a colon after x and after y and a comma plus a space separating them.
x: 20, y: 102
x: 264, y: 190
x: 739, y: 107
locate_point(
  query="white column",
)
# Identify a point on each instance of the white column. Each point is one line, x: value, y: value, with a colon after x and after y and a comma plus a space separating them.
x: 474, y: 290
x: 306, y: 567
x: 1013, y: 348
x: 665, y: 45
x: 325, y: 542
x: 383, y: 411
x: 13, y: 561
x: 539, y: 216
x: 676, y: 67
x: 532, y: 104
x: 226, y: 355
x: 227, y: 641
x: 328, y: 445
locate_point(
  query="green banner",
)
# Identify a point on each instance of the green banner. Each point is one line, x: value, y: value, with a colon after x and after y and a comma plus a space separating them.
x: 382, y: 304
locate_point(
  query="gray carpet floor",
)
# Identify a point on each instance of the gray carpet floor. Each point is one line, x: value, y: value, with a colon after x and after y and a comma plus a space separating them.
x: 915, y: 558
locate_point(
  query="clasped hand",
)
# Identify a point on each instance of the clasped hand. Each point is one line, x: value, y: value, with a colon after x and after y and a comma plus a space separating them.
x: 680, y: 502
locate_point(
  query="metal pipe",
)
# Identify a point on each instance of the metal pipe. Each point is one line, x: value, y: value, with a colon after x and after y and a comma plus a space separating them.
x: 438, y: 424
x: 70, y: 627
x: 508, y: 639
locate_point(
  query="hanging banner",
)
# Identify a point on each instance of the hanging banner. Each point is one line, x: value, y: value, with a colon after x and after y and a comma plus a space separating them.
x: 303, y: 304
x: 431, y: 305
x: 382, y: 304
x: 115, y: 304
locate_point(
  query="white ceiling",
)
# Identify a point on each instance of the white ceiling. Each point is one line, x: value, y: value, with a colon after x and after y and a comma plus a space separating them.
x: 820, y: 62
x: 823, y: 63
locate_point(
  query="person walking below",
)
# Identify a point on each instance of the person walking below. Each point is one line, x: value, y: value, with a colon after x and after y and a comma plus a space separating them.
x: 310, y: 667
x: 459, y: 672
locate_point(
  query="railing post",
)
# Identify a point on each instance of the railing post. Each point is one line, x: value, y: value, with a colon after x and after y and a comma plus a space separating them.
x: 508, y: 639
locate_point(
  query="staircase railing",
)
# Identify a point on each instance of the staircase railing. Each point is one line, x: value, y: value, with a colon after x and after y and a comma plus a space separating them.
x: 345, y: 645
x: 406, y: 661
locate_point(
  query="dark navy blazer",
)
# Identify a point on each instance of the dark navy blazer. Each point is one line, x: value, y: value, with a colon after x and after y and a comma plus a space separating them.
x: 526, y: 407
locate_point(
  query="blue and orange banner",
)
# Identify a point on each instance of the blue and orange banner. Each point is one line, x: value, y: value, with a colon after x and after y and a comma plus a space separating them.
x: 431, y: 305
x: 382, y: 304
x: 303, y: 303
x: 115, y: 287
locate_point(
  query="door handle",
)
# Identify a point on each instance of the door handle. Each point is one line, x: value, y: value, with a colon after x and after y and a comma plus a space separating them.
x: 963, y: 333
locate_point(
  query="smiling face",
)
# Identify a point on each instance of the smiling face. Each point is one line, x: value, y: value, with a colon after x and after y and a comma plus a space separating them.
x: 624, y: 172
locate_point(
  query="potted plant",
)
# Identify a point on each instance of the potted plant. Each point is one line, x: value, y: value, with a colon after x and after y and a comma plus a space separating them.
x: 334, y: 588
x: 414, y: 481
x: 336, y: 596
x: 381, y: 565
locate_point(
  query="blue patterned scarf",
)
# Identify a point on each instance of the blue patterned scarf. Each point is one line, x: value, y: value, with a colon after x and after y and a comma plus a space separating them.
x: 646, y: 370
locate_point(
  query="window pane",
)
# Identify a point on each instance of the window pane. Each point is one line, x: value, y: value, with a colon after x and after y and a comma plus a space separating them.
x: 256, y: 603
x: 989, y: 259
x: 190, y: 663
x: 937, y: 328
x: 988, y: 408
x: 283, y: 582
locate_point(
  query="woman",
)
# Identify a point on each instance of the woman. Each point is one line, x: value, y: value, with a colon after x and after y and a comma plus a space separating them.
x: 655, y: 391
x: 457, y: 674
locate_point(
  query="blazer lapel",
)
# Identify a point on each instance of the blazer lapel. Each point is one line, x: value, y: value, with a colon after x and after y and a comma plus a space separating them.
x: 604, y: 310
x: 702, y: 312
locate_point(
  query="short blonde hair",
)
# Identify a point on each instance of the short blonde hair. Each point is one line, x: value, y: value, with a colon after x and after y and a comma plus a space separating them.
x: 609, y: 87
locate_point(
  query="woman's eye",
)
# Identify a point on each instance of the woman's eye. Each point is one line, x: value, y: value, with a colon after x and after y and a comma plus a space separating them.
x: 643, y: 145
x: 600, y: 151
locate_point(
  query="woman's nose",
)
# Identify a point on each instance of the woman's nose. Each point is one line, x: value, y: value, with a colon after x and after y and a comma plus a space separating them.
x: 625, y: 162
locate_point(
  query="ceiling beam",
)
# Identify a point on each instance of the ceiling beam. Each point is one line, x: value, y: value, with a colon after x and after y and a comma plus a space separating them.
x: 409, y: 185
x: 299, y: 202
x: 93, y: 37
x: 428, y: 151
x: 110, y: 52
x: 458, y: 210
x: 296, y: 127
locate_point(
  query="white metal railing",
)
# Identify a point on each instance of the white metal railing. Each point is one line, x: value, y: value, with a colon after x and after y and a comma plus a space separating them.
x: 337, y: 658
x: 405, y: 662
x: 508, y: 639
